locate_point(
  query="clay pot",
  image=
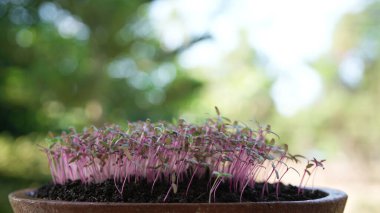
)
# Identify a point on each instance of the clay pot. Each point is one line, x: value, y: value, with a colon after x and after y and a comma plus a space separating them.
x: 333, y: 203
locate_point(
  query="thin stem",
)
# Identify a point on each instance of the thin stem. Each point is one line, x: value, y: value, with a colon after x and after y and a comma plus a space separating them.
x: 212, y: 188
x: 188, y: 186
x: 300, y: 185
x: 167, y: 194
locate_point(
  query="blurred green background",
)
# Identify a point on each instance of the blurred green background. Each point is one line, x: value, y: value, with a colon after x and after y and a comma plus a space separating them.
x: 308, y: 69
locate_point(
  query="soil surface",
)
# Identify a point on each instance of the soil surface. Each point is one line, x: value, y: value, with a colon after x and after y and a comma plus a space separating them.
x: 141, y: 192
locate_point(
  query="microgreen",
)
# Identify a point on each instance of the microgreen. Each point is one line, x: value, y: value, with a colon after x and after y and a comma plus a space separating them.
x: 165, y: 152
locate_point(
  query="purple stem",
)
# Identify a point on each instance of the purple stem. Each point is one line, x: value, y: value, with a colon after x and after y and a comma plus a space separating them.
x: 188, y: 186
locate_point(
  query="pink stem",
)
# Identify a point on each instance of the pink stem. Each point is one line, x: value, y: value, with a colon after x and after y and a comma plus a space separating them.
x: 167, y: 194
x: 188, y: 186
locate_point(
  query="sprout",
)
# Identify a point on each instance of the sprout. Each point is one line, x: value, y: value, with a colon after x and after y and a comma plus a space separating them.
x: 171, y: 153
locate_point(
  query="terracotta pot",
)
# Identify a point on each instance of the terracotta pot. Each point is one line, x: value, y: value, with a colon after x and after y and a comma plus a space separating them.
x: 333, y: 203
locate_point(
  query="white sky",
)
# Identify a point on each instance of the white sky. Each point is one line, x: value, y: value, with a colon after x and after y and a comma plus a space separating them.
x: 288, y: 33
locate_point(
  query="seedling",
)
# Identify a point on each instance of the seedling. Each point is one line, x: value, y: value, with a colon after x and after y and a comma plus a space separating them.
x: 163, y: 152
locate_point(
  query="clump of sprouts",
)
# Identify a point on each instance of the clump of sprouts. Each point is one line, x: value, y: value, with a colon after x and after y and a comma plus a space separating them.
x: 156, y: 152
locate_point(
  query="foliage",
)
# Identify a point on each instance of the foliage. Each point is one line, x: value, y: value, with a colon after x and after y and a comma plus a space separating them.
x: 17, y: 157
x: 163, y: 151
x: 70, y: 63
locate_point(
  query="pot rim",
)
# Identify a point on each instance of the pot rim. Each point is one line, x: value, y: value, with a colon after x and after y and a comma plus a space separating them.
x: 21, y: 196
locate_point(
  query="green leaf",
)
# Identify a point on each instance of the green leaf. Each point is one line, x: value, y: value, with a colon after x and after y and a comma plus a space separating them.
x: 226, y: 119
x: 307, y: 171
x: 277, y: 175
x: 192, y: 161
x: 168, y: 140
x: 74, y: 158
x: 220, y: 174
x: 273, y: 166
x: 216, y: 173
x: 286, y: 147
x: 190, y: 139
x: 295, y: 170
x: 217, y: 110
x: 127, y: 153
x: 52, y: 145
x: 226, y: 158
x: 272, y: 141
x: 105, y: 144
x: 226, y: 175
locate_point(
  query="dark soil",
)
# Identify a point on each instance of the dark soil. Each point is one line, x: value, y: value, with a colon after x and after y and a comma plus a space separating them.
x: 141, y: 193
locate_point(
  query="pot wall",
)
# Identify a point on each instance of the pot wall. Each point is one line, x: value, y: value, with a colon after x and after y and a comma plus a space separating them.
x: 333, y: 203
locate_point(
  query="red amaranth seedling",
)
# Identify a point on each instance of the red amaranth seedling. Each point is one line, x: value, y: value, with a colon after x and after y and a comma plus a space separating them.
x: 163, y: 152
x: 314, y: 164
